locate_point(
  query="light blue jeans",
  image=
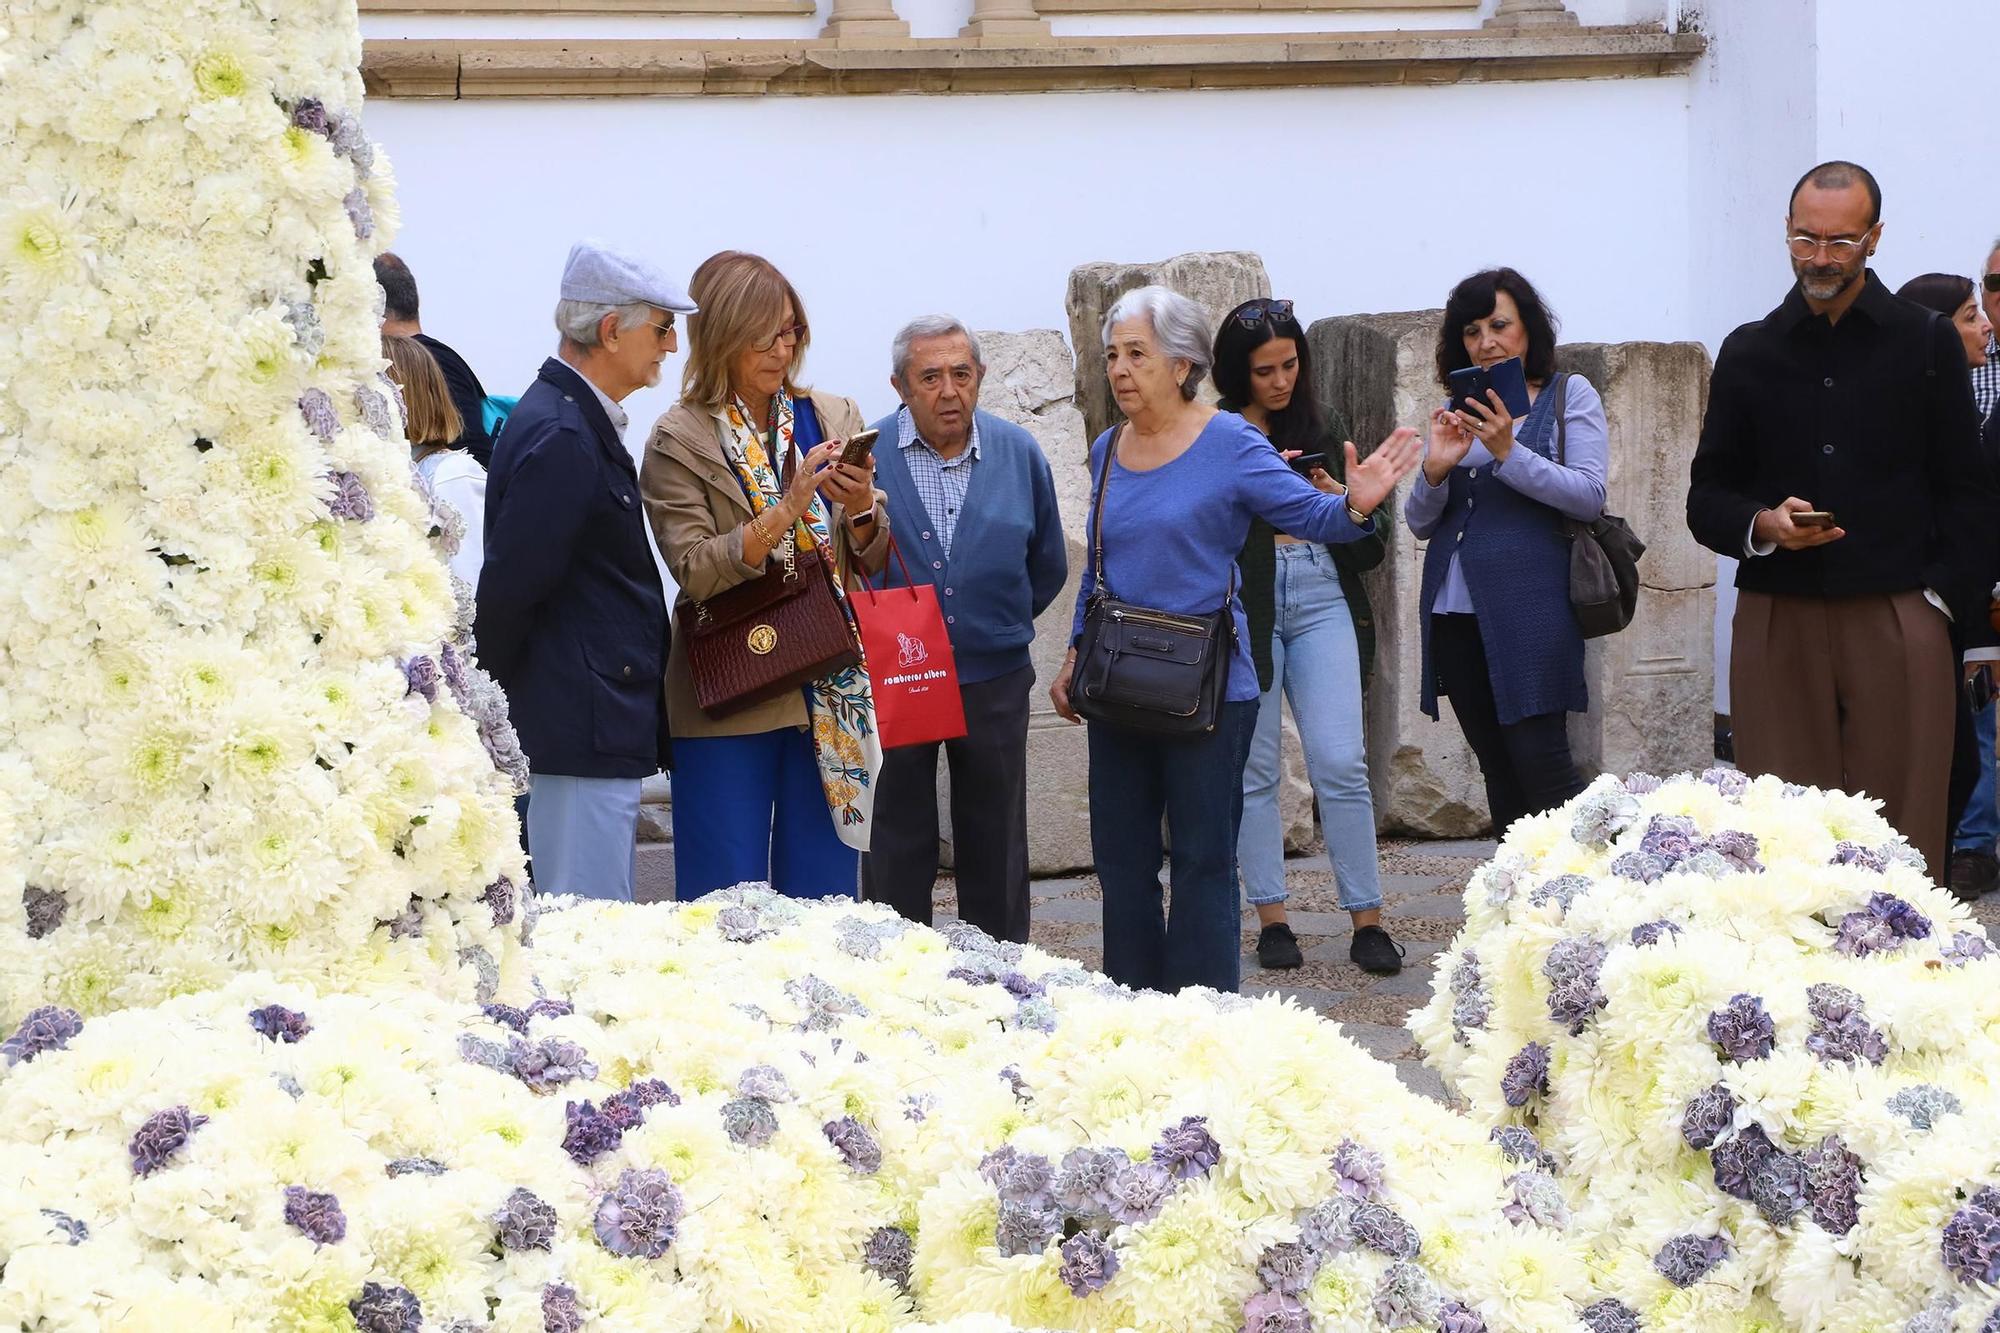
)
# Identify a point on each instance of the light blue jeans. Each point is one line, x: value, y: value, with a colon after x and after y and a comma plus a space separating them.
x: 1979, y: 828
x: 582, y: 835
x: 1316, y: 664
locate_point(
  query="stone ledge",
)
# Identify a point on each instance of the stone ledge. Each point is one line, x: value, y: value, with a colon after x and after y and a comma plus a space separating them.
x: 757, y: 67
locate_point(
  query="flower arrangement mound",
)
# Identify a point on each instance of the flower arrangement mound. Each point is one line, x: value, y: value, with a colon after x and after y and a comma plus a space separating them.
x: 751, y: 1114
x: 1758, y: 1044
x: 238, y: 727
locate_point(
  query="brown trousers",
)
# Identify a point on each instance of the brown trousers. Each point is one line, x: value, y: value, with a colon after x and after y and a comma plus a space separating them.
x: 1849, y: 692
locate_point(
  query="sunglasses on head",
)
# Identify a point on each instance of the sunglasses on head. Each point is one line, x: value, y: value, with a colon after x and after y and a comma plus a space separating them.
x: 1992, y: 281
x: 1250, y: 316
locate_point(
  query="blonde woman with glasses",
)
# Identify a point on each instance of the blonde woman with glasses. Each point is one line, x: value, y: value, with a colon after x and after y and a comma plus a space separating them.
x: 780, y: 791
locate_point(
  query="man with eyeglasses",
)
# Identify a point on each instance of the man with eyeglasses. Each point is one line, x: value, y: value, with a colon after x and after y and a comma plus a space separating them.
x: 1986, y: 379
x: 1840, y: 463
x: 572, y: 619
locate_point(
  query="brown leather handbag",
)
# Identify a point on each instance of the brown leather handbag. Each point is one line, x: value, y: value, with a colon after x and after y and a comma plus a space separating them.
x: 769, y: 634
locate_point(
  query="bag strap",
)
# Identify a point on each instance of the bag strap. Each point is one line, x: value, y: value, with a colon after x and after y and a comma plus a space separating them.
x: 1560, y: 407
x: 895, y: 549
x: 1097, y: 510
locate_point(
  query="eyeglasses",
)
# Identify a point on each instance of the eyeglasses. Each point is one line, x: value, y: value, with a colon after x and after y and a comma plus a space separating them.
x: 665, y: 330
x: 1840, y: 248
x: 1992, y: 281
x: 1250, y: 316
x: 786, y: 335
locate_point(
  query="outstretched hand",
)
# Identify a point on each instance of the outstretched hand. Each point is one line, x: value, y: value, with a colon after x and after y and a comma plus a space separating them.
x: 1370, y: 481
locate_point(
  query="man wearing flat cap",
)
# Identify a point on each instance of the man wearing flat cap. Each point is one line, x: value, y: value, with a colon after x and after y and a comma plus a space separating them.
x: 572, y: 619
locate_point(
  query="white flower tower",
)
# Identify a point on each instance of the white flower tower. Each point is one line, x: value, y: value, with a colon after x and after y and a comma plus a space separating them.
x: 234, y: 732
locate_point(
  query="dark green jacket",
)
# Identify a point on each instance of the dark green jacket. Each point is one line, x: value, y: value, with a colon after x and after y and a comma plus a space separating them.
x: 1259, y: 565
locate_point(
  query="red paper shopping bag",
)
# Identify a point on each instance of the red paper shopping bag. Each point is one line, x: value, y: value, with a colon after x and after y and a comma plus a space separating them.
x: 909, y: 661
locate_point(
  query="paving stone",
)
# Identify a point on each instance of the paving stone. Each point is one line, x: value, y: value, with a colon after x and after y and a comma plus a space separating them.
x: 1396, y: 886
x: 1421, y: 1079
x: 1411, y: 981
x: 1384, y: 1043
x: 1056, y: 888
x: 653, y: 876
x: 1067, y: 909
x: 1476, y: 849
x: 1448, y: 905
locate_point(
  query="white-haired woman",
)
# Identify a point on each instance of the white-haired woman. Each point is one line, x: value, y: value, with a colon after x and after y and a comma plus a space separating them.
x: 1182, y: 485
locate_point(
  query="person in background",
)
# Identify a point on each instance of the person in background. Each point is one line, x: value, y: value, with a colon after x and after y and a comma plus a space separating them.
x: 400, y: 320
x: 1500, y: 639
x: 782, y: 791
x: 1312, y: 639
x: 1841, y: 465
x: 1986, y: 377
x: 1181, y: 482
x: 432, y: 422
x: 977, y: 504
x: 1975, y: 816
x: 572, y: 620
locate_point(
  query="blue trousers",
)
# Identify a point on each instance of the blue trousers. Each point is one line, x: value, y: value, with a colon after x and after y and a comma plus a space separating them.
x: 584, y: 835
x: 750, y: 809
x: 1196, y: 782
x: 1979, y: 827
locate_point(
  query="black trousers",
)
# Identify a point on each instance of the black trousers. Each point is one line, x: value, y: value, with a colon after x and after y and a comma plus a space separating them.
x: 1526, y: 764
x: 989, y: 815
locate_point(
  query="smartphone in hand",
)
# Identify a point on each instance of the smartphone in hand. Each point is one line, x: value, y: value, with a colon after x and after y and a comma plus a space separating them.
x: 859, y: 445
x: 1813, y: 518
x: 1304, y: 464
x: 1507, y: 378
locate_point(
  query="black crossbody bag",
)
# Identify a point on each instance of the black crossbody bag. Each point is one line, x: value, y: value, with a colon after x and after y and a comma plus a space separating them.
x: 1144, y: 669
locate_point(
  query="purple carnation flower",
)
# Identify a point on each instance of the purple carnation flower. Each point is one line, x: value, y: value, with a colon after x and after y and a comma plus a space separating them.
x: 1672, y: 839
x: 1471, y: 1005
x: 1601, y: 815
x: 589, y: 1133
x: 501, y: 898
x: 547, y: 1064
x: 457, y: 675
x: 1137, y: 1191
x: 46, y: 910
x: 1854, y: 854
x: 1328, y: 1229
x: 637, y: 1217
x: 1739, y: 849
x: 73, y: 1230
x: 560, y: 1312
x: 857, y: 1147
x: 644, y: 1093
x: 1924, y: 1105
x: 1749, y: 1166
x: 1025, y: 1228
x: 507, y: 1015
x: 890, y: 1255
x: 350, y: 498
x: 1743, y: 1029
x: 1639, y: 867
x: 1538, y: 1199
x: 1966, y: 947
x: 1383, y: 1230
x: 414, y: 1166
x: 1521, y: 1147
x: 1454, y: 1317
x: 1357, y: 1170
x: 764, y: 1081
x: 1187, y: 1150
x: 359, y: 212
x: 1652, y: 932
x: 1642, y: 784
x: 1731, y: 782
x: 1562, y: 890
x: 525, y: 1222
x: 1884, y: 924
x: 1840, y: 1032
x: 1992, y: 1324
x: 749, y: 1121
x: 477, y: 1050
x: 1526, y: 1074
x: 1971, y: 1241
x: 1833, y: 1186
x: 1736, y: 1157
x: 383, y: 1307
x: 316, y: 1214
x: 48, y: 1028
x: 420, y: 674
x: 1686, y: 1260
x: 1287, y: 1267
x: 1708, y: 1116
x: 164, y: 1134
x: 280, y: 1024
x: 1406, y: 1298
x: 1610, y: 1315
x: 1935, y: 1317
x: 1018, y: 1177
x: 316, y: 406
x: 1572, y: 967
x: 1088, y: 1264
x: 1274, y: 1312
x: 1082, y: 1186
x: 309, y: 113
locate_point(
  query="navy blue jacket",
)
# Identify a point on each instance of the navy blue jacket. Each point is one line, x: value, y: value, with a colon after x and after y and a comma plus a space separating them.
x: 572, y: 620
x: 1007, y: 561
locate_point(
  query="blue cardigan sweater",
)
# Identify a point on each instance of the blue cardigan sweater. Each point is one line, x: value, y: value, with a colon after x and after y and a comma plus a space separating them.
x: 1007, y: 561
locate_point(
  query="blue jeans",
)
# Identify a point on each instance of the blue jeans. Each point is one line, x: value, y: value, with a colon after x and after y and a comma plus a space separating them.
x: 584, y: 832
x: 1315, y: 663
x: 750, y: 808
x: 1196, y: 782
x: 1979, y: 826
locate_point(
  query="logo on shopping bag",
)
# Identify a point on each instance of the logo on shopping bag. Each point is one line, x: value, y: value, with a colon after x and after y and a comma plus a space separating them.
x: 910, y: 651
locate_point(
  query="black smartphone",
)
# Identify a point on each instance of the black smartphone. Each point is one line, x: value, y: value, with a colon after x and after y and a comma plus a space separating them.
x: 1305, y: 463
x: 855, y: 452
x: 1813, y: 518
x: 1506, y: 377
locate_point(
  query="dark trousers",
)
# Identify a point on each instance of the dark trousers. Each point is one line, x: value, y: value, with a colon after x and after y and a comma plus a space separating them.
x: 989, y: 815
x: 1526, y: 764
x: 1197, y: 783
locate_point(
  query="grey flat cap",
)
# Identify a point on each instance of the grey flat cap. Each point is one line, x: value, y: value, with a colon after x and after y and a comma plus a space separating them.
x: 597, y: 273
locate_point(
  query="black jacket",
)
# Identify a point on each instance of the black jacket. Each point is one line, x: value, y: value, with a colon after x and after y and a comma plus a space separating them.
x: 468, y: 395
x: 1871, y: 418
x: 572, y: 620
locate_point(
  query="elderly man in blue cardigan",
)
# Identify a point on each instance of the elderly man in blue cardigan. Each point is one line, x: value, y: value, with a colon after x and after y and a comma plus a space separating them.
x: 985, y: 533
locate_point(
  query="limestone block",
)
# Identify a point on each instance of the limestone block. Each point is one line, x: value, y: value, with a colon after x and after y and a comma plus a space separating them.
x: 1217, y: 281
x: 1379, y: 371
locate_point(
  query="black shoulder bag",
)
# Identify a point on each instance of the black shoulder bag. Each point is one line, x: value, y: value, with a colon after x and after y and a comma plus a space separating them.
x: 1603, y: 556
x: 1142, y: 669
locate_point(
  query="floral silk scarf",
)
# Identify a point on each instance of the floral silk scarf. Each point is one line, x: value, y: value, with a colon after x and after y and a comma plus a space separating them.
x: 842, y: 705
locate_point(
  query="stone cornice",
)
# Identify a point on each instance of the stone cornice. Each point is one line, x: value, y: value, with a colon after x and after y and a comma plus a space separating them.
x: 508, y: 67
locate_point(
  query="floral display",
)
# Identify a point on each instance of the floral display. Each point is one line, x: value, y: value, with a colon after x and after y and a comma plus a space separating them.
x: 1757, y: 1046
x: 238, y: 725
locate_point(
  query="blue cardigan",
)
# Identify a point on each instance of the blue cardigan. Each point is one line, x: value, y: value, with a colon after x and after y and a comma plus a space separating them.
x: 1007, y: 562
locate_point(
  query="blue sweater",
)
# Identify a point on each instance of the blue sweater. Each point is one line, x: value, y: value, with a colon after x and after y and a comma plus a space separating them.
x: 1171, y: 534
x: 1007, y: 562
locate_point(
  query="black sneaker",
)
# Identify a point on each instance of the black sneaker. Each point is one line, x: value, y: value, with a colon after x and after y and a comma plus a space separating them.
x: 1972, y: 874
x: 1278, y: 948
x: 1373, y: 951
